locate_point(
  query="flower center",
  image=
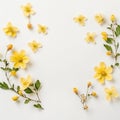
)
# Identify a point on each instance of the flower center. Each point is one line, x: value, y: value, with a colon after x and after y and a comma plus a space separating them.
x: 103, y: 73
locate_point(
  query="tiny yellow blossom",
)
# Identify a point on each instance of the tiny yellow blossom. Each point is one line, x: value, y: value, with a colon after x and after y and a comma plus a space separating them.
x: 104, y: 36
x: 13, y: 73
x: 42, y: 29
x: 103, y: 73
x: 113, y: 18
x: 25, y: 82
x: 99, y: 18
x: 75, y: 90
x: 10, y: 30
x: 90, y: 37
x: 108, y: 53
x: 80, y: 19
x: 15, y: 98
x: 111, y: 93
x: 19, y: 59
x: 27, y: 10
x: 94, y: 94
x: 89, y: 84
x: 9, y: 47
x: 34, y: 45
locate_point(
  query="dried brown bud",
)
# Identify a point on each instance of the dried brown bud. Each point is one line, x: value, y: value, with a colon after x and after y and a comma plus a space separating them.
x: 75, y: 90
x: 85, y: 107
x: 89, y: 84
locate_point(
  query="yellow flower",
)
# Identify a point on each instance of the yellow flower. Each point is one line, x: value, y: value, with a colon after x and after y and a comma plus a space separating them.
x: 27, y: 10
x: 10, y: 30
x: 113, y: 18
x: 104, y: 36
x: 25, y: 82
x: 111, y: 93
x: 19, y: 59
x: 103, y: 73
x: 13, y: 73
x: 15, y: 98
x: 80, y: 19
x: 90, y: 37
x: 99, y: 18
x: 34, y: 45
x: 42, y: 29
x: 75, y: 90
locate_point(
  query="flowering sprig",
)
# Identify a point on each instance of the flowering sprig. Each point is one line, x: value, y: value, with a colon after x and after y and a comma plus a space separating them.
x: 111, y: 40
x: 84, y: 96
x: 27, y: 87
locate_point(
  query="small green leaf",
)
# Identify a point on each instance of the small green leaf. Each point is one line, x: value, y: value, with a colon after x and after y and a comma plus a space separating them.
x: 118, y: 54
x: 18, y: 88
x: 37, y: 84
x: 116, y: 64
x: 38, y: 106
x: 4, y: 86
x: 27, y: 101
x: 117, y: 32
x: 108, y: 48
x: 28, y: 90
x: 109, y: 40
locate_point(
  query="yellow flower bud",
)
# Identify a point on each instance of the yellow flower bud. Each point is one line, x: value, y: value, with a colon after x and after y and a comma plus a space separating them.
x: 89, y: 84
x: 75, y: 90
x: 85, y: 107
x: 9, y: 47
x: 13, y: 73
x: 15, y: 98
x: 29, y: 26
x: 113, y: 18
x: 20, y: 92
x: 108, y: 53
x: 104, y: 35
x: 94, y: 94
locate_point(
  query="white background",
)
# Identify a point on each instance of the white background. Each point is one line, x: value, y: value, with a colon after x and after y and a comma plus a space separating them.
x: 64, y: 62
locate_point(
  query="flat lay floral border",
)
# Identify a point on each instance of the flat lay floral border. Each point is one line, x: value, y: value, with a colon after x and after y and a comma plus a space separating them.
x: 13, y: 61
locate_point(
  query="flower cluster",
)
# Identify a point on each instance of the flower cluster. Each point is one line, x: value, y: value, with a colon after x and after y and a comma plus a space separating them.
x: 84, y: 96
x: 13, y: 61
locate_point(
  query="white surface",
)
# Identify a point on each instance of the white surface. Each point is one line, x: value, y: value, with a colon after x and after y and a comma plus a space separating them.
x: 65, y: 61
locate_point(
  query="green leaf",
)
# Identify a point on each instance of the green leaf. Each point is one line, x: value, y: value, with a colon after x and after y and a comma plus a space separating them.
x: 38, y: 106
x: 27, y: 101
x: 116, y: 64
x: 117, y: 45
x: 18, y: 88
x: 109, y: 40
x: 108, y: 48
x: 117, y: 32
x: 37, y: 84
x: 28, y: 90
x: 4, y: 86
x: 118, y: 54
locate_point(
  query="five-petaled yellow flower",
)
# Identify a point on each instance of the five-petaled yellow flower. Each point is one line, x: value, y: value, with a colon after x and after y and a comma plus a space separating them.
x: 34, y: 45
x: 25, y: 82
x: 27, y: 10
x: 104, y: 36
x: 103, y: 73
x: 42, y: 29
x: 15, y: 98
x: 10, y: 30
x: 99, y: 18
x: 90, y: 37
x: 111, y: 93
x: 80, y: 19
x: 113, y: 18
x: 19, y: 59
